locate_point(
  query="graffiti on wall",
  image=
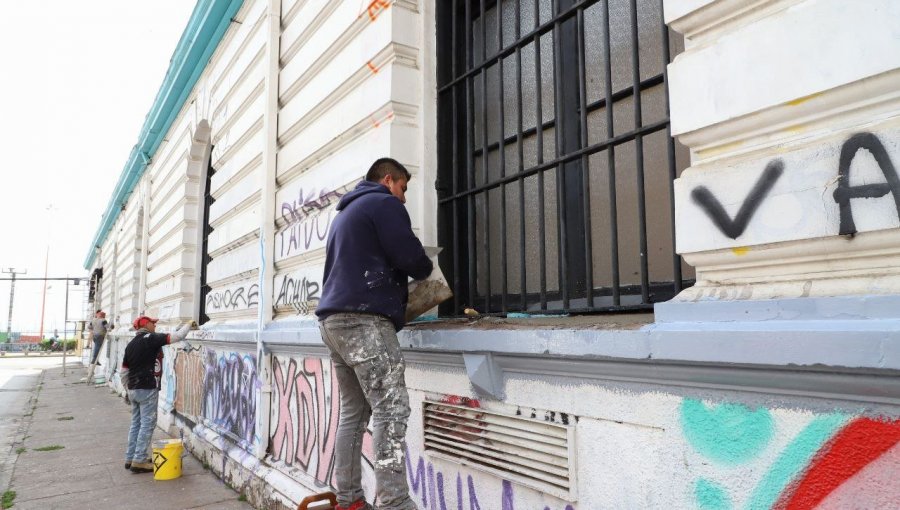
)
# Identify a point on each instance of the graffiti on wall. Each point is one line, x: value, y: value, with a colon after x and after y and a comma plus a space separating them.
x: 230, y: 385
x: 305, y: 414
x: 300, y: 292
x: 440, y: 490
x: 733, y: 228
x: 843, y: 194
x: 845, y: 191
x: 168, y: 381
x: 307, y: 234
x: 307, y: 219
x: 835, y: 461
x: 375, y: 8
x: 241, y: 297
x: 189, y: 377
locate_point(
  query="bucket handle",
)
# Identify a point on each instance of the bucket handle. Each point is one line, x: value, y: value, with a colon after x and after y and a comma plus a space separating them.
x: 325, y: 496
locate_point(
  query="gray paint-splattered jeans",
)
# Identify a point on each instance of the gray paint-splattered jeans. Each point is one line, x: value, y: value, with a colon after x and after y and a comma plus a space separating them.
x: 369, y: 368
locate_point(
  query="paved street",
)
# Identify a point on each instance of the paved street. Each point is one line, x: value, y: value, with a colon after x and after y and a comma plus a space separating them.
x: 83, y: 430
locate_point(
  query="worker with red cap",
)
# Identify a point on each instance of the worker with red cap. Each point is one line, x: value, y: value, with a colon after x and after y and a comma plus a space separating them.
x: 141, y: 371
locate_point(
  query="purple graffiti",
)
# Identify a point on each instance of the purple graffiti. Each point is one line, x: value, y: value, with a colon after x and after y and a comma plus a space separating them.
x: 422, y: 484
x: 473, y: 499
x: 229, y: 394
x: 299, y: 236
x: 305, y: 203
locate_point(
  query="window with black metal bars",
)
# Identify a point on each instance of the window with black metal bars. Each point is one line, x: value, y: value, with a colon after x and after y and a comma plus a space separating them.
x: 555, y: 160
x: 208, y: 200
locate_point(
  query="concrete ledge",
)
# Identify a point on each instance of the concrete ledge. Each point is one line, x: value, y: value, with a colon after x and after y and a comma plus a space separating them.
x: 838, y: 348
x: 847, y: 308
x: 851, y: 343
x: 881, y: 387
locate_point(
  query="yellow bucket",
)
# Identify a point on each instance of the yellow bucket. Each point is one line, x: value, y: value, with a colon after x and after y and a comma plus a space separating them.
x: 167, y: 459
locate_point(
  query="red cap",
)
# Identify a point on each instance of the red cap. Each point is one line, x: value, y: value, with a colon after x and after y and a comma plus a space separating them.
x: 142, y: 321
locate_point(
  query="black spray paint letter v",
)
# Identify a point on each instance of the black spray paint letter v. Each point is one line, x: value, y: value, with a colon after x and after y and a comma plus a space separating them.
x: 733, y: 228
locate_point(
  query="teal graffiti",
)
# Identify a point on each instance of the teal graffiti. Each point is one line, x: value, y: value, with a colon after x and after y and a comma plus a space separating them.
x: 793, y: 459
x: 711, y: 496
x: 727, y: 433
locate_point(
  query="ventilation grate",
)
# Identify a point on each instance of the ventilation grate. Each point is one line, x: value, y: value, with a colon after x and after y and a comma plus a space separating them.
x: 530, y: 452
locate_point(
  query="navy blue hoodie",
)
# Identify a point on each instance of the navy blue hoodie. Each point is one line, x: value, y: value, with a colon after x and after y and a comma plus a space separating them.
x: 370, y: 255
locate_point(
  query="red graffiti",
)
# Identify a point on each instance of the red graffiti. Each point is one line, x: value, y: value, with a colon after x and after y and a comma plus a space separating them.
x: 284, y: 434
x: 306, y: 411
x: 372, y: 67
x: 456, y: 400
x: 307, y: 417
x: 861, y: 443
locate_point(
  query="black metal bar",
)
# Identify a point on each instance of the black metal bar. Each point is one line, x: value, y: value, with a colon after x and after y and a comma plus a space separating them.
x: 484, y: 163
x: 542, y: 246
x: 559, y: 103
x: 676, y: 259
x: 592, y: 107
x: 502, y: 159
x: 639, y: 154
x: 585, y: 166
x: 539, y: 30
x: 611, y: 161
x: 521, y: 153
x: 470, y: 156
x: 565, y: 24
x: 569, y: 126
x: 455, y: 169
x: 626, y: 137
x: 205, y: 259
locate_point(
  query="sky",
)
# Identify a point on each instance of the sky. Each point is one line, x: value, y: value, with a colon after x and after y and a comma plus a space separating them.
x: 78, y: 79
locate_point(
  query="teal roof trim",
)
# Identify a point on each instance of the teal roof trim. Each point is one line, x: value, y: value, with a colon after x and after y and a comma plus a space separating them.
x: 201, y: 37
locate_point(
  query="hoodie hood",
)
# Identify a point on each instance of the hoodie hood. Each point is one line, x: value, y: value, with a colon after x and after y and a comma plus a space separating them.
x: 363, y: 188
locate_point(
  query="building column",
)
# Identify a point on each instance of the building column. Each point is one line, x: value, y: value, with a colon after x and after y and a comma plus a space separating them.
x: 267, y: 225
x: 791, y: 112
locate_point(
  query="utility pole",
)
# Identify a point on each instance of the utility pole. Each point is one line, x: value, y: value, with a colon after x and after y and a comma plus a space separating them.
x: 12, y: 295
x: 44, y: 295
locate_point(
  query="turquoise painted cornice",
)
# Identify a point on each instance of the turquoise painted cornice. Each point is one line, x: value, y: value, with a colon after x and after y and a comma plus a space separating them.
x: 201, y: 37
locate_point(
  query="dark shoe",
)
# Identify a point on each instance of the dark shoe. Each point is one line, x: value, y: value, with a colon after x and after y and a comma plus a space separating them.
x: 128, y: 465
x: 141, y: 467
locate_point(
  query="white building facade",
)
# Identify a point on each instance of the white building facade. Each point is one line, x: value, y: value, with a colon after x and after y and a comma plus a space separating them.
x: 679, y: 221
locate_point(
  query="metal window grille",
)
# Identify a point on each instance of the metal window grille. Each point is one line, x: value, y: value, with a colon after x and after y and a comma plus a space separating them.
x: 555, y: 161
x: 208, y: 201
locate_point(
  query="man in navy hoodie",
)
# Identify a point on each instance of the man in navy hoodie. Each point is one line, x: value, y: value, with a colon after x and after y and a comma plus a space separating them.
x: 370, y: 255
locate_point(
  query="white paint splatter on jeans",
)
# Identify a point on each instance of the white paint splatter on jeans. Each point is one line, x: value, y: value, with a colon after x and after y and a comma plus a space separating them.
x: 370, y: 371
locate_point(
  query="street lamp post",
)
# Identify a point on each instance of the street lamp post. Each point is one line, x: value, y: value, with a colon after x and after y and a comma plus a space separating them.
x: 12, y: 295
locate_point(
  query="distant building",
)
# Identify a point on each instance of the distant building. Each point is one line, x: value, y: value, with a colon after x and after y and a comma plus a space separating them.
x: 705, y: 321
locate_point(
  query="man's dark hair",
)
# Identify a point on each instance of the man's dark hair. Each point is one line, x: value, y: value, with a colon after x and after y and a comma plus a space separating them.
x: 385, y: 166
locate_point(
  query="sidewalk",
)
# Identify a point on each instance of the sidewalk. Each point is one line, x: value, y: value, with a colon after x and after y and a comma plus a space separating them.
x: 91, y: 425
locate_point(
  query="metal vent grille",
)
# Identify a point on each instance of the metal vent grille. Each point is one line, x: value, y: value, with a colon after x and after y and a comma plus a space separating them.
x: 530, y: 452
